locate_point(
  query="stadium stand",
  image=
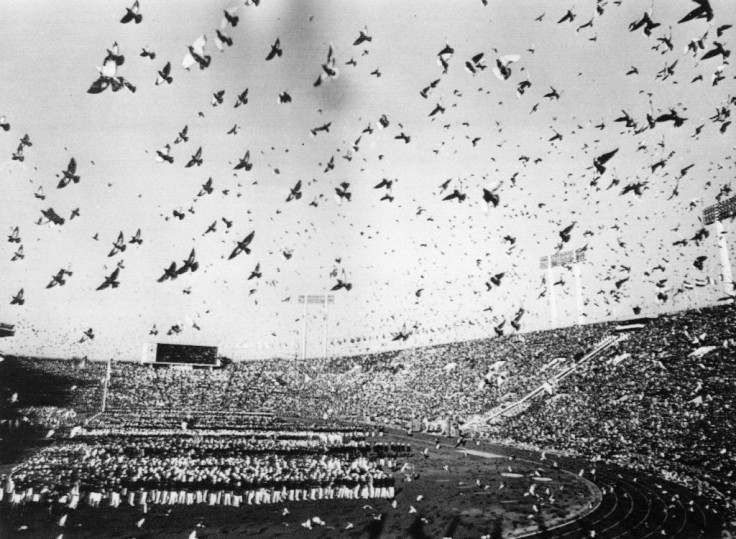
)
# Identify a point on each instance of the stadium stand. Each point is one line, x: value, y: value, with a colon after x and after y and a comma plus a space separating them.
x: 660, y: 400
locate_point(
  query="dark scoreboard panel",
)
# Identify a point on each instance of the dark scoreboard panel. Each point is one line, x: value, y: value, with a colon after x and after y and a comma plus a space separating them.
x: 186, y: 354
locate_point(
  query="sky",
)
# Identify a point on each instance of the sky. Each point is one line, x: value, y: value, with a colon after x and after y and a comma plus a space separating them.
x: 418, y: 265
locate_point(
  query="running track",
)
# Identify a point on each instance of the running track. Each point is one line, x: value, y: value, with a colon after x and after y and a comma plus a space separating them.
x: 633, y: 505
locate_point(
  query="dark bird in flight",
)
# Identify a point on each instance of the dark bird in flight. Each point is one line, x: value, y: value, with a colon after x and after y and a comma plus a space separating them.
x: 275, y: 50
x: 443, y: 58
x: 490, y: 198
x: 169, y: 273
x: 295, y: 192
x: 190, y: 264
x: 475, y: 64
x: 52, y: 216
x: 503, y: 69
x: 636, y: 188
x: 14, y: 236
x: 256, y: 273
x: 645, y: 22
x: 671, y: 116
x: 183, y: 135
x: 118, y: 245
x: 18, y: 255
x: 342, y: 283
x: 621, y: 282
x: 137, y: 238
x: 402, y: 335
x: 164, y: 75
x: 552, y: 94
x: 284, y: 98
x: 111, y: 280
x: 244, y: 163
x: 230, y: 16
x: 565, y: 233
x: 402, y: 136
x: 147, y: 53
x: 456, y: 195
x: 432, y: 85
x: 206, y: 188
x: 132, y: 14
x: 4, y: 124
x: 18, y: 298
x: 242, y: 246
x: 242, y: 98
x: 601, y: 160
x: 342, y: 192
x: 69, y: 175
x: 211, y: 228
x: 495, y: 280
x: 703, y: 11
x: 363, y: 37
x: 222, y: 39
x: 567, y: 17
x: 217, y: 98
x: 717, y: 50
x: 196, y: 159
x: 499, y: 329
x: 324, y: 127
x: 196, y: 54
x: 164, y: 155
x: 58, y: 279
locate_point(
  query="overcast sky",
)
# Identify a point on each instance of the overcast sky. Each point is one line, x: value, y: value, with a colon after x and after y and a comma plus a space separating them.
x: 416, y: 262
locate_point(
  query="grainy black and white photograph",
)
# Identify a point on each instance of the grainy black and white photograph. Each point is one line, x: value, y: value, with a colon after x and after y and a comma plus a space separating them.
x: 367, y: 269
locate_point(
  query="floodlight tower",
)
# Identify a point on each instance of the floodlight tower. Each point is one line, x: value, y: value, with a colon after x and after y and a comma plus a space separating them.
x: 308, y: 299
x: 564, y: 259
x: 716, y: 214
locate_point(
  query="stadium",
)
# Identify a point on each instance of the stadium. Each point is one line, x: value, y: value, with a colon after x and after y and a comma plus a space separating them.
x: 327, y: 269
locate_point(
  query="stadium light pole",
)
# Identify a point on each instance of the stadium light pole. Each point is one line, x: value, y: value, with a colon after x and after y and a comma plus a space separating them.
x: 304, y: 329
x: 578, y: 292
x: 306, y: 299
x: 324, y: 336
x: 546, y: 263
x: 567, y: 258
x: 107, y: 382
x: 716, y: 214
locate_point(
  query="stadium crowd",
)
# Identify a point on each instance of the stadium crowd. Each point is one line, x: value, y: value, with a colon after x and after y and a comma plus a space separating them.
x: 664, y: 402
x: 661, y: 400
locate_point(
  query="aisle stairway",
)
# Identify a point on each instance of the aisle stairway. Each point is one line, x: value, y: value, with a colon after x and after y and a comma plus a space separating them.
x: 482, y: 422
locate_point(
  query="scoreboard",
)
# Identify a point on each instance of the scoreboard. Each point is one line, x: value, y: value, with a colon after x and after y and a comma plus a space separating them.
x: 180, y: 354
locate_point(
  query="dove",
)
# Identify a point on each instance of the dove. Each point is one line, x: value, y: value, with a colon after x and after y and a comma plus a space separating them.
x: 132, y: 14
x: 197, y: 54
x: 275, y: 50
x: 69, y: 175
x: 164, y: 75
x: 242, y: 246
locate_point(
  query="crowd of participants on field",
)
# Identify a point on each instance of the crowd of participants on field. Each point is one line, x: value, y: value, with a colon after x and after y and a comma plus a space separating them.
x: 142, y: 463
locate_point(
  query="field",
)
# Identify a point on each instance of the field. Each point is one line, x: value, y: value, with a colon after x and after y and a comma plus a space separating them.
x: 447, y: 493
